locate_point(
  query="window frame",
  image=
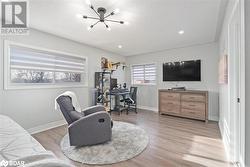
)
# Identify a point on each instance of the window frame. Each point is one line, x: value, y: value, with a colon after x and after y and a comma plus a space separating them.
x: 12, y: 86
x: 146, y: 84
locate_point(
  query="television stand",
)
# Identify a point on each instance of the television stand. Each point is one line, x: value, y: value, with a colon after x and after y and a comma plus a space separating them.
x: 184, y: 103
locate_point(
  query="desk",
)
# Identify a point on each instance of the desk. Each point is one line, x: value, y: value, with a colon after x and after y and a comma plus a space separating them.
x: 117, y: 93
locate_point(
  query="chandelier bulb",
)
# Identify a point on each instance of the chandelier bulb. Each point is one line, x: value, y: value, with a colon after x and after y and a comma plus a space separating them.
x: 116, y: 11
x: 90, y: 27
x: 126, y: 23
x: 88, y: 2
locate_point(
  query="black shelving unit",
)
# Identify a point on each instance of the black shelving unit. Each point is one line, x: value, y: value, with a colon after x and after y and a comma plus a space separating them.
x: 103, y: 85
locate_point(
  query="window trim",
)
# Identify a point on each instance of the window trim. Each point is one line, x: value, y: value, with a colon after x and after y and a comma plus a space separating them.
x: 10, y: 86
x: 143, y: 84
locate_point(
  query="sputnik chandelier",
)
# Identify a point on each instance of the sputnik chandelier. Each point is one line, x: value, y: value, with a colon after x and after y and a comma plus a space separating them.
x: 101, y: 16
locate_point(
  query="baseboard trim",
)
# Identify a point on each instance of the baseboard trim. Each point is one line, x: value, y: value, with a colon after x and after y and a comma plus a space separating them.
x: 148, y: 108
x: 47, y: 126
x: 213, y: 118
x: 242, y: 163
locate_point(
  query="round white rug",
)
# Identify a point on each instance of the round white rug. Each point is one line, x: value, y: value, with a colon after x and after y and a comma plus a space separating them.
x: 128, y: 141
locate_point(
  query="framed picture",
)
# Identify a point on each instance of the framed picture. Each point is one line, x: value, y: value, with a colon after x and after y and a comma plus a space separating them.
x: 223, y: 70
x: 104, y: 63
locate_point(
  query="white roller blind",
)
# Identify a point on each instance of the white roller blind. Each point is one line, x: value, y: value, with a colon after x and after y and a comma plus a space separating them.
x: 144, y: 74
x: 29, y: 59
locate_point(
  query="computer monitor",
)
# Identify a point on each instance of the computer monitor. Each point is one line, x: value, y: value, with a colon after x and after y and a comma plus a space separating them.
x: 113, y: 83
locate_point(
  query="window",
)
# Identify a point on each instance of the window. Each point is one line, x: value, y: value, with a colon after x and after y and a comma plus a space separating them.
x: 144, y: 74
x: 29, y: 67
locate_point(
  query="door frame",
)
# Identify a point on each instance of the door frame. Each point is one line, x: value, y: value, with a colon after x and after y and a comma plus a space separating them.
x: 238, y: 124
x: 243, y: 85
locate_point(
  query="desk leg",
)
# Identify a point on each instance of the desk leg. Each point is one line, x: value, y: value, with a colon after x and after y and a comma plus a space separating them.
x: 117, y: 103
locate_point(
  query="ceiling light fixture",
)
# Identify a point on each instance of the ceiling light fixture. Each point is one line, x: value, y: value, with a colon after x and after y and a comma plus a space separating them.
x: 119, y: 46
x: 88, y: 2
x: 89, y: 28
x: 116, y: 11
x: 181, y: 32
x: 102, y: 18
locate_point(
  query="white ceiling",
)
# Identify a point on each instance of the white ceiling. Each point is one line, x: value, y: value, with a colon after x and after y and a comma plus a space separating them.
x: 153, y: 24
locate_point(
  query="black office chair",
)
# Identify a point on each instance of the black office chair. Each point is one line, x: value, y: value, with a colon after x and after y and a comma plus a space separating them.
x: 131, y: 101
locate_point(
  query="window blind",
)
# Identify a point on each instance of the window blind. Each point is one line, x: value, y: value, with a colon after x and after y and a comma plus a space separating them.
x: 144, y: 74
x: 29, y: 59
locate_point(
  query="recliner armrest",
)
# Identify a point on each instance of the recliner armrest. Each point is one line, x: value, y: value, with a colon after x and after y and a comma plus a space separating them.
x: 93, y: 109
x: 91, y: 117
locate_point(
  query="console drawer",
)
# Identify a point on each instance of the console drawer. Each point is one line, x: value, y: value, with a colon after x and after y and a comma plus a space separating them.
x: 193, y: 114
x: 193, y: 97
x: 169, y: 106
x: 170, y: 109
x: 169, y: 96
x: 193, y: 106
x: 187, y: 104
x: 169, y: 103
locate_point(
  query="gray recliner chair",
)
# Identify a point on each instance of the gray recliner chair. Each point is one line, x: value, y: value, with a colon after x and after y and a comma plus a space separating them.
x: 90, y: 127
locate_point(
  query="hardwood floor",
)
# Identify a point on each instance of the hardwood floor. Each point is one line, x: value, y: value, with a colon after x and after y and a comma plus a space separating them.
x: 174, y: 142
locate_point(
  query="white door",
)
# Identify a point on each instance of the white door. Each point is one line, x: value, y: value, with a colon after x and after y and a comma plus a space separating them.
x: 236, y: 77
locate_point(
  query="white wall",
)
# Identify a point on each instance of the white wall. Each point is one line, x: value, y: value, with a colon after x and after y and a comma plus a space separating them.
x: 31, y: 108
x: 209, y: 55
x: 224, y: 121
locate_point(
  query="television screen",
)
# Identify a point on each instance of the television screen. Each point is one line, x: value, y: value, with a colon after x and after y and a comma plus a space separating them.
x: 182, y: 71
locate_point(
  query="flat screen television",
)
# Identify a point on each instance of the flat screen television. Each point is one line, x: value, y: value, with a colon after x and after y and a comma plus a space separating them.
x: 182, y: 71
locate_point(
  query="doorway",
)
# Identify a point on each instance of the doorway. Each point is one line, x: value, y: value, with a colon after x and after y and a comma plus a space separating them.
x: 237, y: 83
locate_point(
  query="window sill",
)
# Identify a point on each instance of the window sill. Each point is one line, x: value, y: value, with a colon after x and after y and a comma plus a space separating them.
x: 29, y: 87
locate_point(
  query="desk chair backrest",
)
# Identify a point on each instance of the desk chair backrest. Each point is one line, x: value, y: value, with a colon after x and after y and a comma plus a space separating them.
x: 133, y: 93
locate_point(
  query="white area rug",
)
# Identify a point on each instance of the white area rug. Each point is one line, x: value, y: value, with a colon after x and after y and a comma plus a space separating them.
x: 128, y: 141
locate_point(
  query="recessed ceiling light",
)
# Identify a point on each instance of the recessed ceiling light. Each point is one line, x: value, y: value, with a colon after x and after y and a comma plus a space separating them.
x: 119, y: 46
x: 181, y: 32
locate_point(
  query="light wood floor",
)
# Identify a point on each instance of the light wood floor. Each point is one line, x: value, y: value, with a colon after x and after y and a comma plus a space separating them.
x: 174, y: 142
